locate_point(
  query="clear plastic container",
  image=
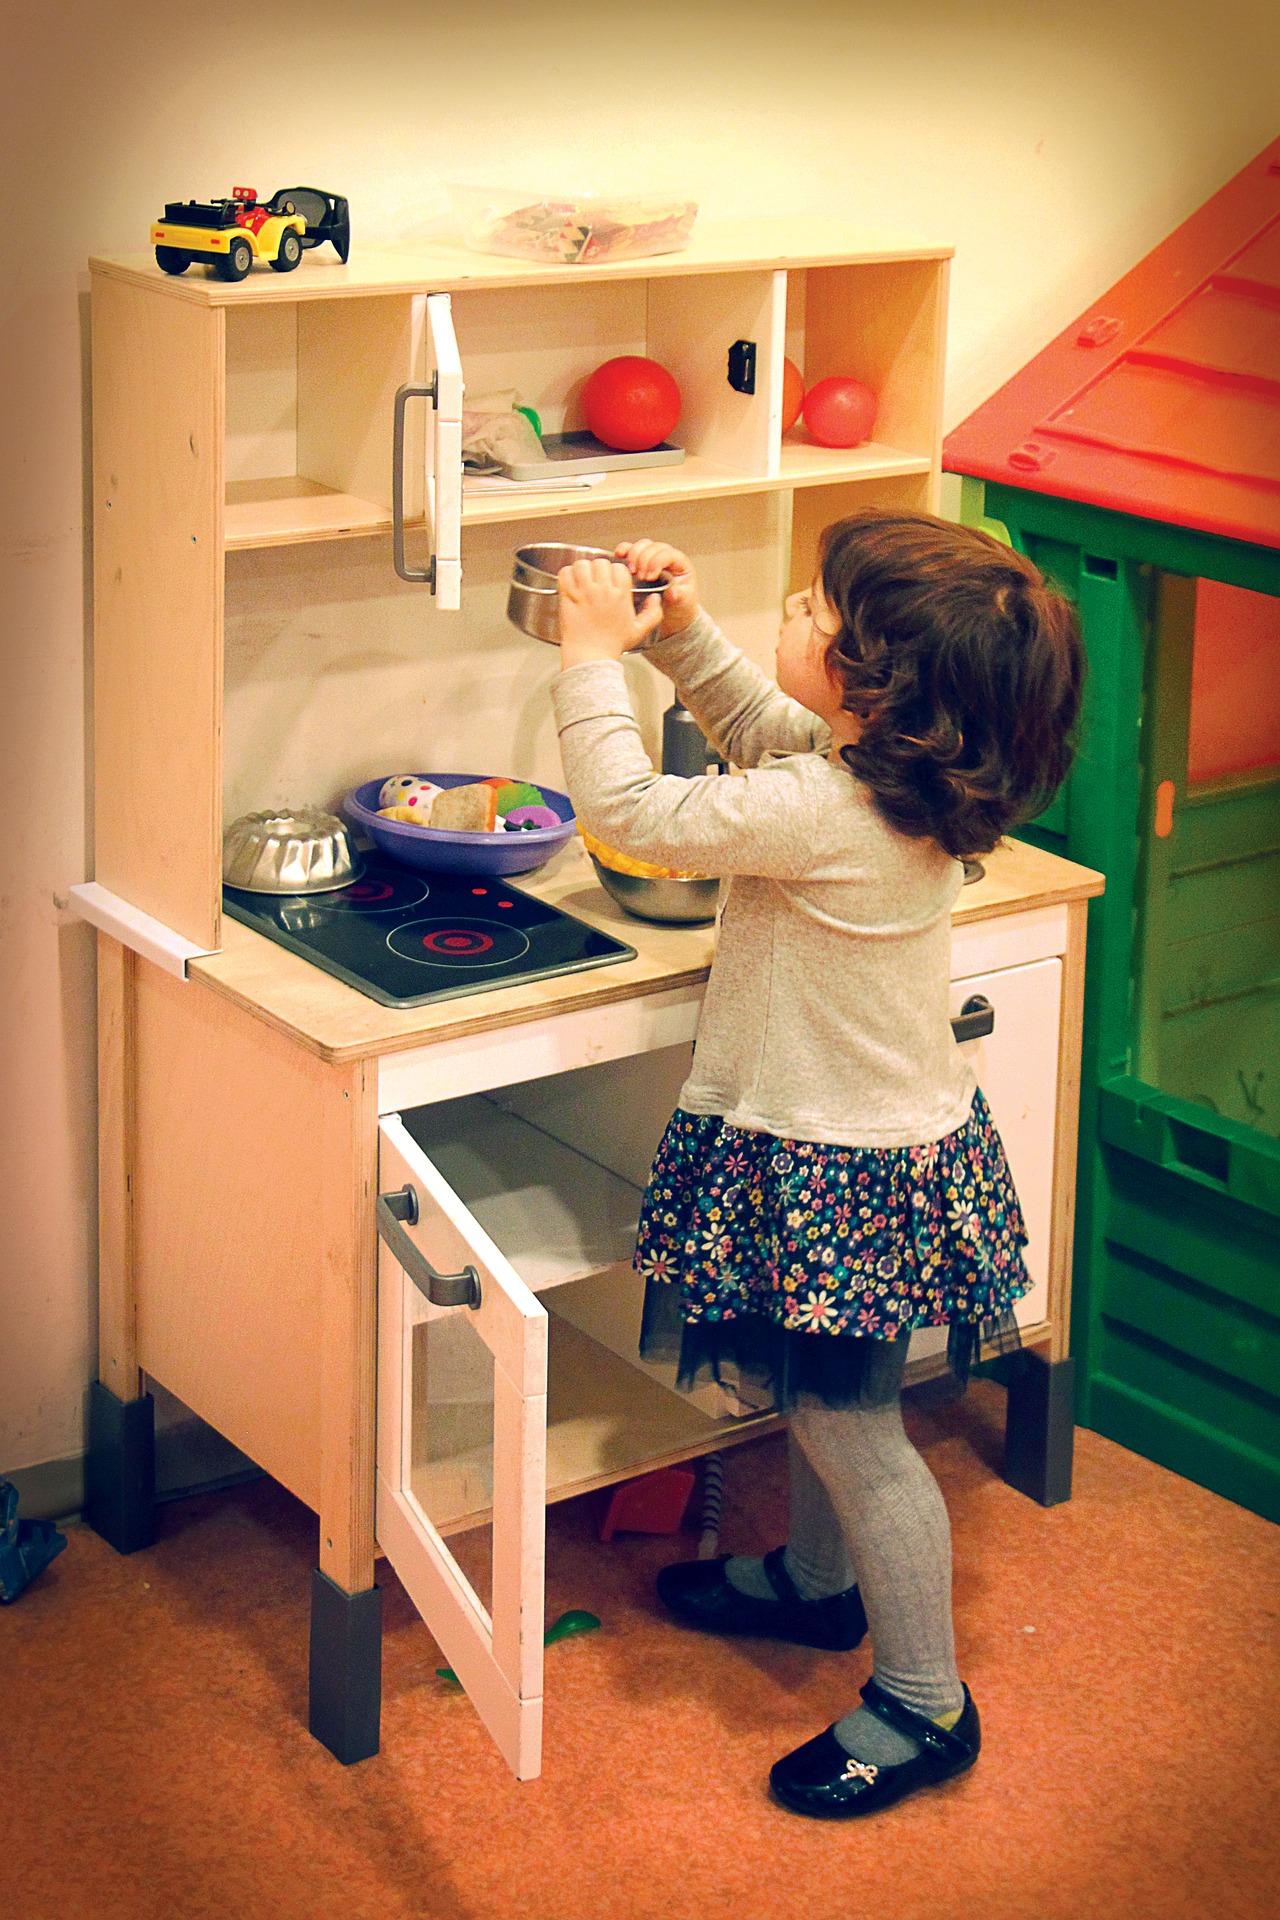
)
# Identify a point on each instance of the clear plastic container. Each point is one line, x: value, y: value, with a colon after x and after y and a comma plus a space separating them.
x: 574, y: 229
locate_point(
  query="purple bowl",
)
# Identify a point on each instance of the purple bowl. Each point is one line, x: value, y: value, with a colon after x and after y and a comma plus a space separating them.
x: 434, y: 850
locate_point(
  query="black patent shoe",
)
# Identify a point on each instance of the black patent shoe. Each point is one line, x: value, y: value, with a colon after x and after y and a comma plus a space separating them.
x: 821, y: 1779
x: 699, y: 1593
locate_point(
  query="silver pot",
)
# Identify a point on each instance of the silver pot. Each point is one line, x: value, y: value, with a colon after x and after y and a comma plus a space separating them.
x: 533, y: 599
x: 676, y: 902
x: 306, y: 851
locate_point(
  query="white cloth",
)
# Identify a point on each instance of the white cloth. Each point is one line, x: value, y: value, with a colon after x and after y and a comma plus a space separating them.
x: 826, y: 1014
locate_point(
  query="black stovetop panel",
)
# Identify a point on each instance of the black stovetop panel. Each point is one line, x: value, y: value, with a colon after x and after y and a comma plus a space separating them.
x: 405, y: 937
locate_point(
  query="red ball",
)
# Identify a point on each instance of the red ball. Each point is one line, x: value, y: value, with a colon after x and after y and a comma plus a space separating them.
x: 792, y: 394
x: 840, y: 412
x: 631, y: 403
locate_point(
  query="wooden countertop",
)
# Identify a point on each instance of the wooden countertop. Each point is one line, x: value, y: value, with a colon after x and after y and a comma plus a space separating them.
x: 339, y: 1024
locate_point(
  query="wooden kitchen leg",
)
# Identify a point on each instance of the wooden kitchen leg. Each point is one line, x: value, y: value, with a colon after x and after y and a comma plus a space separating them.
x: 1039, y: 1433
x: 346, y: 1606
x: 120, y: 1460
x: 345, y: 1710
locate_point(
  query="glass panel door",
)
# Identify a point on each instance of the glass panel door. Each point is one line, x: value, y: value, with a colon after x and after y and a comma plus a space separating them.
x: 462, y: 1411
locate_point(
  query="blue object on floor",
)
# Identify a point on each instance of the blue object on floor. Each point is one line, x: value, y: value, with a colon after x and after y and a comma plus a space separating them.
x: 26, y: 1546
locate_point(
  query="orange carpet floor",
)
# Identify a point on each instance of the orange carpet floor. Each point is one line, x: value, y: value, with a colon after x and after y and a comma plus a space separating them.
x: 1124, y: 1651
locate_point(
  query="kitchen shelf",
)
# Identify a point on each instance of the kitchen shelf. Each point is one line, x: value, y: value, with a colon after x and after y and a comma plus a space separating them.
x: 292, y: 509
x: 557, y: 1215
x: 717, y: 247
x: 606, y: 1421
x: 696, y: 478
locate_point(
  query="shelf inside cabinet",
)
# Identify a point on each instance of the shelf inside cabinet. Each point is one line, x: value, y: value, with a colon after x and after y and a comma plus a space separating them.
x: 807, y: 465
x: 291, y: 509
x: 283, y: 511
x: 606, y: 1421
x: 556, y: 1215
x: 696, y: 478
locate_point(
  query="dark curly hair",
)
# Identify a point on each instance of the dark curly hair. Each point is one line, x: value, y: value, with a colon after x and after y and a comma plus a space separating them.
x: 964, y: 666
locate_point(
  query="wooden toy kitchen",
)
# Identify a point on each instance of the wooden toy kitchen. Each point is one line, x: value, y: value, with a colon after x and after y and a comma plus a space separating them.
x: 261, y: 1119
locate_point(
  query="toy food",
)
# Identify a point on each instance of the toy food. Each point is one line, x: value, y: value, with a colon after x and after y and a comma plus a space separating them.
x: 631, y: 403
x: 531, y: 816
x: 521, y: 796
x: 792, y: 394
x: 623, y: 862
x: 470, y: 809
x: 229, y: 235
x: 482, y: 806
x: 408, y: 790
x: 840, y: 412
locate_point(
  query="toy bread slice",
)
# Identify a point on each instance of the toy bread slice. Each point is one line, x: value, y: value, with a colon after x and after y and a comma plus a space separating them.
x: 465, y: 809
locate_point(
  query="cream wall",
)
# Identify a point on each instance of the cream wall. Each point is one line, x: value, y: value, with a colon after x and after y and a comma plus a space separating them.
x: 1052, y: 143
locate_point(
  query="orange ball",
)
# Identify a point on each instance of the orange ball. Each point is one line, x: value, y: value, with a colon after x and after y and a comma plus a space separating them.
x: 631, y: 403
x: 840, y: 412
x: 792, y: 394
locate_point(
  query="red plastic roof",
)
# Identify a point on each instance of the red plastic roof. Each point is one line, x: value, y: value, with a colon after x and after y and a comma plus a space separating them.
x: 1163, y: 398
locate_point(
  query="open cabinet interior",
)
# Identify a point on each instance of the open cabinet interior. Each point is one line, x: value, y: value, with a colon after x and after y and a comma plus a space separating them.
x: 310, y: 392
x: 552, y: 1172
x: 311, y: 386
x: 565, y: 1220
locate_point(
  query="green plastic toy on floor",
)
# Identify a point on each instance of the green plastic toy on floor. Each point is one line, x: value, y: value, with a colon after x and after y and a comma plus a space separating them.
x: 26, y: 1546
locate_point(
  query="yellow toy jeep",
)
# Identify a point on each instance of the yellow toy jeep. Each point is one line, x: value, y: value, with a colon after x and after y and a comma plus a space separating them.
x: 230, y: 234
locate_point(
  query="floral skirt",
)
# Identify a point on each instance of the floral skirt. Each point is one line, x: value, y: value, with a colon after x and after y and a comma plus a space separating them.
x: 788, y: 1262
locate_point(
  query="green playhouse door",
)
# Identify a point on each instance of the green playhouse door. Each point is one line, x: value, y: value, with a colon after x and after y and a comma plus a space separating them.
x: 1186, y: 1339
x: 1176, y: 1319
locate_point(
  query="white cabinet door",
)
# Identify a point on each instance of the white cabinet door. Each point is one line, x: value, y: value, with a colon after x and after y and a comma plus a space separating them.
x: 1017, y: 1068
x: 434, y: 347
x: 491, y: 1421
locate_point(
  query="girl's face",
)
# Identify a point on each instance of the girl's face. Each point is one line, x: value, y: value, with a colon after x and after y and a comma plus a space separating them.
x: 809, y: 626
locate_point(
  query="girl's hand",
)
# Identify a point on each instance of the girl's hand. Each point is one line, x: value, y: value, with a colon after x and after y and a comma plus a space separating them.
x: 645, y: 560
x: 598, y: 616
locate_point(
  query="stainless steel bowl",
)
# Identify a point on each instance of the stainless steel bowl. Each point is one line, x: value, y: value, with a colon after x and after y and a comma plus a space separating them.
x: 533, y: 598
x: 686, y: 903
x: 306, y: 851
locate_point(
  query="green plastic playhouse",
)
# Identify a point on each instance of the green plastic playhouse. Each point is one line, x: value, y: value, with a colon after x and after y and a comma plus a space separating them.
x: 1137, y: 461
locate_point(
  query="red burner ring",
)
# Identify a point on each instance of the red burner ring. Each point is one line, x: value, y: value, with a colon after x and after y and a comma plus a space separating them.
x: 451, y: 940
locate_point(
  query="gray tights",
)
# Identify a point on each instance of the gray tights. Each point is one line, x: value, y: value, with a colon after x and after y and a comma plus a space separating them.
x: 865, y: 1507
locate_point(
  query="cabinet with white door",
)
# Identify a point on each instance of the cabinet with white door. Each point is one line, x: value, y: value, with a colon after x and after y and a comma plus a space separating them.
x: 260, y: 1121
x: 533, y: 1389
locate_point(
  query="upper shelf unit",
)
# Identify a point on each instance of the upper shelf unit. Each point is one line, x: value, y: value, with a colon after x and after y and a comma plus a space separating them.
x: 312, y: 364
x: 260, y: 415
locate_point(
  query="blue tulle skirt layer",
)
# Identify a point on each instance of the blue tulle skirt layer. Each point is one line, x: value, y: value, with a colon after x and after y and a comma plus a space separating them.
x: 779, y: 1265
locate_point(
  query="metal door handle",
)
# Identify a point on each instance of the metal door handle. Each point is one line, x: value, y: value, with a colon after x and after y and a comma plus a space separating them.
x: 441, y: 1289
x: 976, y: 1019
x: 427, y: 575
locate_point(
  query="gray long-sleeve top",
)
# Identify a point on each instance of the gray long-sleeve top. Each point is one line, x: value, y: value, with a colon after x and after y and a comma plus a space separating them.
x: 826, y: 1013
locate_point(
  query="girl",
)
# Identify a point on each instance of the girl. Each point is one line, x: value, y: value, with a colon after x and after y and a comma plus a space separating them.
x: 831, y: 1177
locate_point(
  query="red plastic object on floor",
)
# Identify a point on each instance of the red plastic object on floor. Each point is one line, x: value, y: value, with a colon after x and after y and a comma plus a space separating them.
x: 655, y: 1503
